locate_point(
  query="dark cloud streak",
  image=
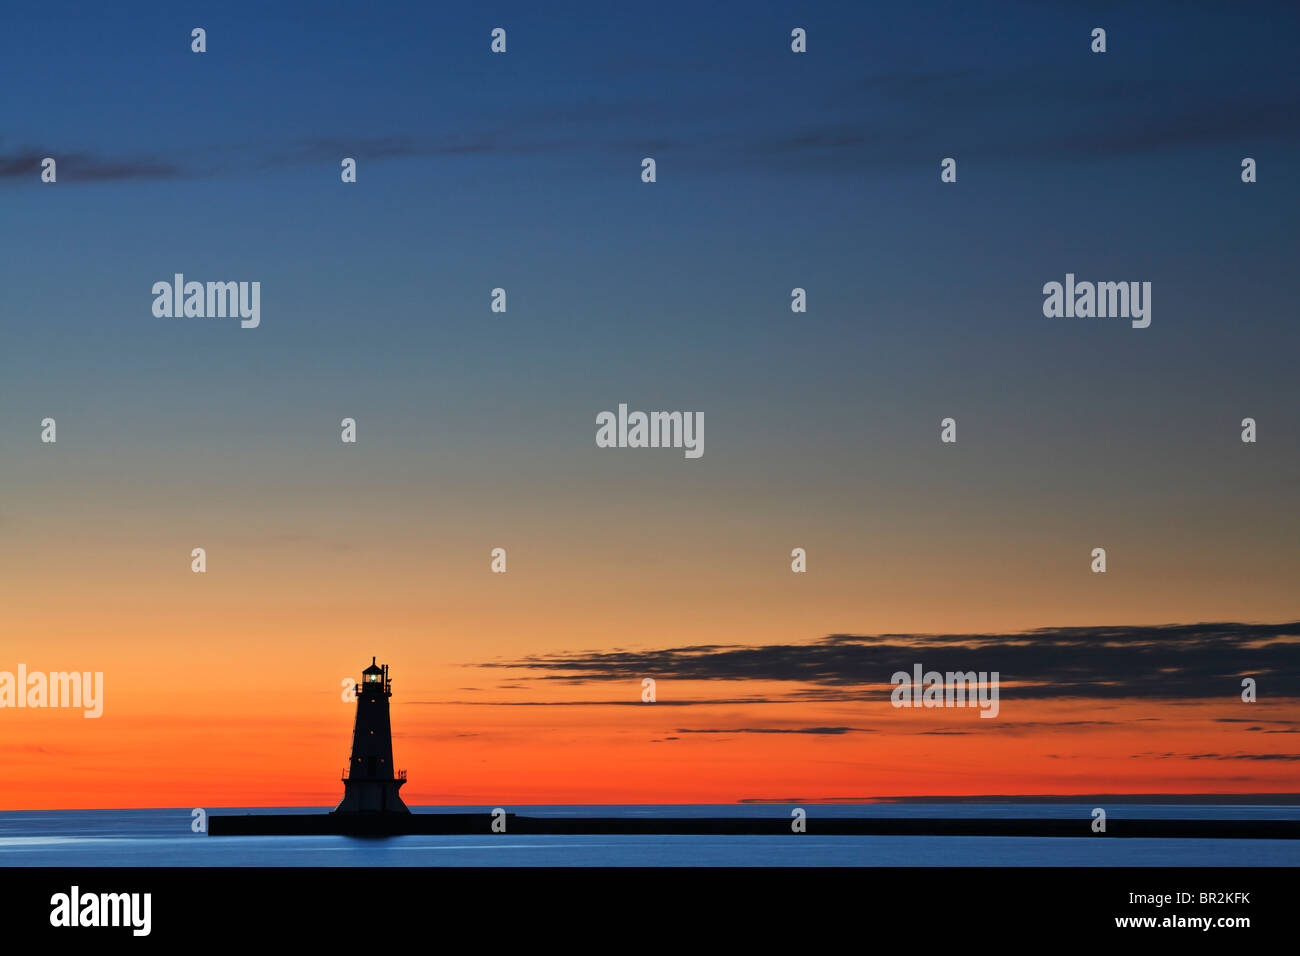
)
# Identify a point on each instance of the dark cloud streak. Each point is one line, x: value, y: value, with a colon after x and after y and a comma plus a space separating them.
x: 83, y: 166
x: 1169, y: 662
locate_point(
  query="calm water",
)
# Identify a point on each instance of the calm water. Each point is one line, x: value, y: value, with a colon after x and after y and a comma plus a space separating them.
x: 164, y: 838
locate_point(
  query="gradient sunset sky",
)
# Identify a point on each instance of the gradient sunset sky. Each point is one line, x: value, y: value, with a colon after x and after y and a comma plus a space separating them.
x: 476, y: 430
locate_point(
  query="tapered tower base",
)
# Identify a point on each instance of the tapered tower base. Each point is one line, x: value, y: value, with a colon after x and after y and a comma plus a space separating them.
x: 371, y: 796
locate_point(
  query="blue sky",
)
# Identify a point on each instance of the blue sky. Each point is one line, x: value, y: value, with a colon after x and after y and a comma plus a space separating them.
x: 774, y: 171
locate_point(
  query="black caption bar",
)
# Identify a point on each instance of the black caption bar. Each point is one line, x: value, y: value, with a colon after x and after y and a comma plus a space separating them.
x: 598, y: 907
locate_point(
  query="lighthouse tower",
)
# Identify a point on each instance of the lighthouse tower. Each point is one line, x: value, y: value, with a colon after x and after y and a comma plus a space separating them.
x: 370, y: 784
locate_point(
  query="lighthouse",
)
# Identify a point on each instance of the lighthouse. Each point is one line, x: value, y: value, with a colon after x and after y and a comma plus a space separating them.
x: 370, y: 783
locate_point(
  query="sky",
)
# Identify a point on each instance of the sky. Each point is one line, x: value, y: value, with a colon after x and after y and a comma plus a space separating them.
x: 476, y: 429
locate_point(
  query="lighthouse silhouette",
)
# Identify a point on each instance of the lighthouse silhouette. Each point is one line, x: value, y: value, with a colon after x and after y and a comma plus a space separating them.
x: 370, y: 784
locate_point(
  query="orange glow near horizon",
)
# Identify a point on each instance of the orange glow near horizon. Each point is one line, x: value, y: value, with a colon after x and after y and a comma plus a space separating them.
x: 254, y: 735
x: 224, y: 689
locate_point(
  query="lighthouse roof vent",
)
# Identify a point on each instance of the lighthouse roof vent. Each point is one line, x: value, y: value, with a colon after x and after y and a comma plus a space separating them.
x: 373, y: 668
